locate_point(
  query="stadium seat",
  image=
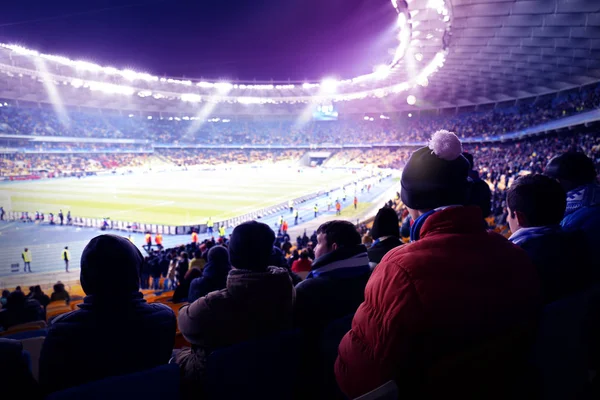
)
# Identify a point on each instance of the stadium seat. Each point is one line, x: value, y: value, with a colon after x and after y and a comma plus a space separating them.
x: 180, y: 341
x: 263, y: 369
x: 57, y: 311
x: 160, y: 383
x: 387, y: 391
x: 33, y: 346
x: 29, y: 326
x: 28, y: 334
x: 74, y: 303
x: 567, y: 346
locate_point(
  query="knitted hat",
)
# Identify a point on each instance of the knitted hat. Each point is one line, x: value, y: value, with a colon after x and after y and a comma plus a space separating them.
x: 572, y: 166
x: 251, y: 245
x: 385, y: 224
x: 110, y: 265
x: 436, y: 175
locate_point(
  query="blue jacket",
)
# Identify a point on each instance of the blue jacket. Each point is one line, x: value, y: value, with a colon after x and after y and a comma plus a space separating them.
x: 583, y: 213
x: 107, y: 336
x: 562, y: 259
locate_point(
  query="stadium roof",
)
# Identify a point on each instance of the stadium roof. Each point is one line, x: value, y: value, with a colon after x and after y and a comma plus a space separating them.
x: 449, y: 54
x: 500, y: 50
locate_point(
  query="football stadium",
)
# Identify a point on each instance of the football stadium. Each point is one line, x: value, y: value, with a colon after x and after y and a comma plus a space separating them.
x: 300, y: 200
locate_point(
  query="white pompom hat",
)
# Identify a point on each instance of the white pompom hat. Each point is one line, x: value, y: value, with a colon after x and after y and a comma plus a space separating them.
x: 436, y: 175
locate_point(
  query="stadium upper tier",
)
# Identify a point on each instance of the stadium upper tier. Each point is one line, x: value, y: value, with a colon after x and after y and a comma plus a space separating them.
x: 442, y: 54
x: 43, y: 129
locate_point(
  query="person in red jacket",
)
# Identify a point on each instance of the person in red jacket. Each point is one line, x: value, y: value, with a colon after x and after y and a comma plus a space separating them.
x: 455, y: 287
x: 303, y: 264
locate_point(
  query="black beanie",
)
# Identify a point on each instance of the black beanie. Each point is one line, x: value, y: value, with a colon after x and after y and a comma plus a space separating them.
x: 251, y: 245
x: 385, y: 224
x: 572, y: 166
x: 110, y: 265
x: 436, y: 175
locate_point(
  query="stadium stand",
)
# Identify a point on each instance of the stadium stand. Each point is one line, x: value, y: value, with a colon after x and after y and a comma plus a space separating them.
x: 438, y: 295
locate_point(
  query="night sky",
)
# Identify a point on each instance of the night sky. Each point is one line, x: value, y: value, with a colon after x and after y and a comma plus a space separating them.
x: 230, y: 39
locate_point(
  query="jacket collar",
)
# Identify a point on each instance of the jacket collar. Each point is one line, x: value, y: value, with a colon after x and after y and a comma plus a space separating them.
x: 346, y: 262
x: 340, y: 254
x: 524, y: 234
x: 243, y: 282
x: 453, y: 220
x: 109, y: 299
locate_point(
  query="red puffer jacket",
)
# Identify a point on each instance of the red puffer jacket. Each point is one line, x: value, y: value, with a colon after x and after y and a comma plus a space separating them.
x: 456, y: 285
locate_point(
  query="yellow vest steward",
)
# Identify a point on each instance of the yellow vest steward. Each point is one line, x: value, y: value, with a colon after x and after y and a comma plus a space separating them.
x: 209, y: 224
x: 26, y: 256
x: 66, y: 255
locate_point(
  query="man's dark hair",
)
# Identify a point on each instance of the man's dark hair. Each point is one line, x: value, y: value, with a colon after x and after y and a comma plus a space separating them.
x: 343, y: 233
x: 304, y: 255
x: 540, y: 198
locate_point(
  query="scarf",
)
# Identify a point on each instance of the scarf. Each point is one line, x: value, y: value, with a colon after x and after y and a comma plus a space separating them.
x: 346, y: 262
x: 524, y: 234
x: 415, y: 229
x: 583, y: 196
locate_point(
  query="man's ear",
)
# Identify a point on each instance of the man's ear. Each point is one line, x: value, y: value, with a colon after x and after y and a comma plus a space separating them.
x: 334, y: 247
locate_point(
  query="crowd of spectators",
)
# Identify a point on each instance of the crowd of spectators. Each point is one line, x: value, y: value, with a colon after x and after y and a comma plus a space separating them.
x: 370, y: 307
x: 77, y: 164
x: 394, y: 128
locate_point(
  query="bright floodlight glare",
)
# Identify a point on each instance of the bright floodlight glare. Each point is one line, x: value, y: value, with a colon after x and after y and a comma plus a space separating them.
x: 419, y: 56
x: 366, y: 118
x: 329, y: 85
x: 382, y: 71
x: 409, y: 115
x: 149, y: 116
x: 411, y: 100
x: 401, y: 20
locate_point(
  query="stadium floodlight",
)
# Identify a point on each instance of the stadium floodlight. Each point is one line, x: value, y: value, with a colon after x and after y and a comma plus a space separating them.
x: 329, y: 85
x: 419, y: 56
x: 149, y: 116
x: 366, y: 118
x: 384, y: 117
x: 382, y: 71
x: 371, y: 119
x: 223, y: 87
x: 191, y: 97
x: 423, y: 81
x: 130, y: 115
x: 77, y: 83
x: 205, y: 85
x: 409, y: 115
x: 411, y: 100
x: 109, y: 88
x: 401, y: 20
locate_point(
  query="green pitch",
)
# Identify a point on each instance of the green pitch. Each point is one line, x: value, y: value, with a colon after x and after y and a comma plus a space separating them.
x: 171, y: 198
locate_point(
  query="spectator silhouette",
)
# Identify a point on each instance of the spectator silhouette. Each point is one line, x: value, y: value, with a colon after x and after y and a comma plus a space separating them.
x: 454, y: 286
x: 257, y: 301
x: 536, y: 205
x: 114, y: 332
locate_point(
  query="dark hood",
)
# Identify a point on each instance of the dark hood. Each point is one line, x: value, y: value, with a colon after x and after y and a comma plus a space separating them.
x: 110, y: 265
